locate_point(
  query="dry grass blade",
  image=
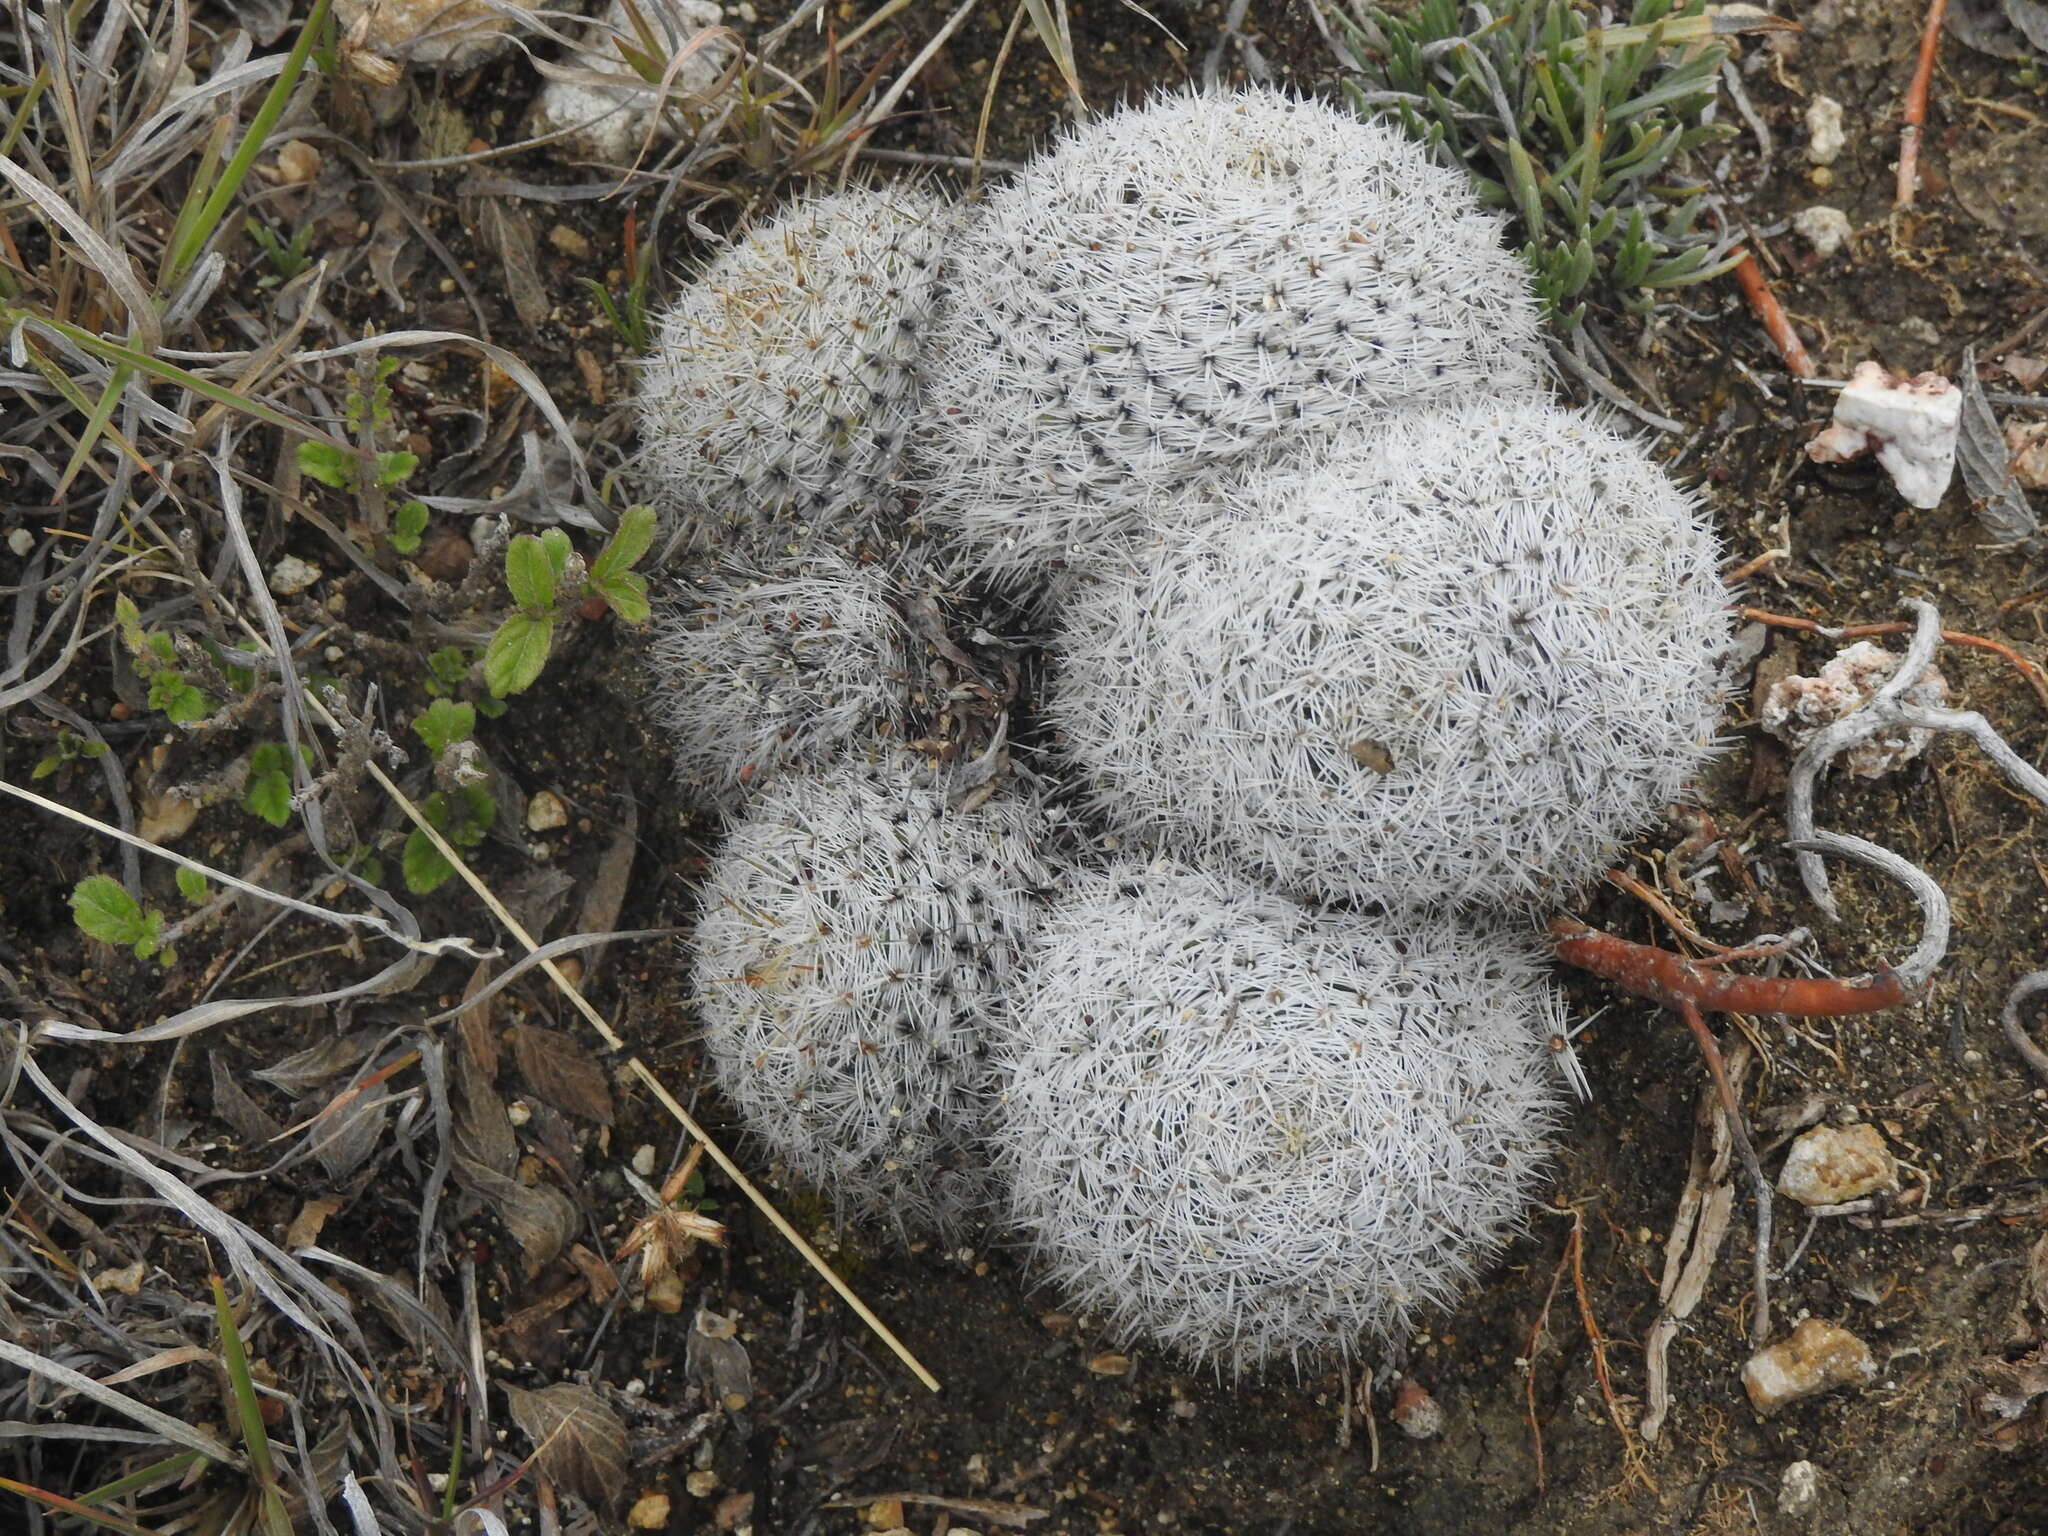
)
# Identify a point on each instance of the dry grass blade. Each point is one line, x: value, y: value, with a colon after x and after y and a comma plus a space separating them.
x: 174, y: 1430
x: 1057, y: 35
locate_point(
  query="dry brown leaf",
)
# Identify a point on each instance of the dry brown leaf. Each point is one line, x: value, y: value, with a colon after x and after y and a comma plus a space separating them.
x: 233, y: 1103
x: 606, y: 897
x: 317, y: 1063
x: 479, y: 1040
x: 579, y: 1443
x: 560, y: 1070
x: 482, y: 1129
x: 541, y: 1219
x: 304, y: 1231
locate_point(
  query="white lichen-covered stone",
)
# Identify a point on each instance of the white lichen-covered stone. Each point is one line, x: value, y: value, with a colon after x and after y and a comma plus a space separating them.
x: 1796, y: 708
x: 609, y: 119
x: 1180, y: 285
x: 785, y: 377
x: 452, y: 34
x: 1816, y: 1357
x: 1257, y: 1137
x: 1454, y: 660
x: 853, y: 936
x: 1826, y: 229
x: 755, y: 675
x: 1825, y: 138
x: 1831, y: 1164
x: 1910, y: 424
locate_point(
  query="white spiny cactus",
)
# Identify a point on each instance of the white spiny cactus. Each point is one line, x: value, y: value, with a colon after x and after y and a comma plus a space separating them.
x: 753, y: 676
x: 1182, y: 284
x: 1257, y: 1137
x: 853, y: 933
x: 1452, y: 660
x: 784, y: 380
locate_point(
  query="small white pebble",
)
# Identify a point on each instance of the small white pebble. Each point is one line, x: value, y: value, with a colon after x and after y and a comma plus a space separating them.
x: 291, y: 576
x: 333, y: 654
x: 1826, y: 229
x: 20, y: 542
x: 1824, y: 135
x: 518, y: 1112
x: 545, y: 812
x: 643, y: 1160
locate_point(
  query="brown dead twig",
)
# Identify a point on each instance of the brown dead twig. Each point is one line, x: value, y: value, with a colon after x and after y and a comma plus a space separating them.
x: 1776, y: 323
x: 1916, y: 106
x: 1635, y: 1463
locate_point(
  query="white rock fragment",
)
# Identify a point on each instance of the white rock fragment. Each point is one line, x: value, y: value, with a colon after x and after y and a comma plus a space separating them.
x: 643, y: 1159
x: 1816, y: 1357
x: 291, y: 576
x: 1826, y: 229
x: 545, y: 812
x: 1824, y: 135
x: 1420, y: 1415
x: 456, y: 34
x: 1798, y: 707
x: 1798, y: 1488
x: 1831, y: 1164
x: 609, y: 118
x: 20, y: 543
x: 1910, y: 424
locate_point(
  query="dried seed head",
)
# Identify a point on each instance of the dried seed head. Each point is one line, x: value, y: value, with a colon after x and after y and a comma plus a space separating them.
x: 1452, y: 660
x: 1183, y: 284
x: 1256, y: 1136
x: 755, y: 676
x: 784, y: 379
x: 854, y: 932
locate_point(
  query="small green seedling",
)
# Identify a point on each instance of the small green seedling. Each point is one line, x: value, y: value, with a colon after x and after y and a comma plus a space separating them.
x: 627, y: 312
x: 462, y: 816
x: 545, y: 575
x: 192, y: 885
x: 447, y: 672
x: 70, y: 749
x: 374, y: 470
x: 287, y: 258
x: 268, y: 791
x: 155, y: 657
x: 103, y: 910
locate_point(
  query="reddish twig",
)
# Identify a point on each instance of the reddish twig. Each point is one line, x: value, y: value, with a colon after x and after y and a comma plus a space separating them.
x: 1777, y: 325
x: 2035, y: 678
x: 1916, y: 106
x: 1575, y: 1247
x: 1693, y: 988
x: 1529, y: 1358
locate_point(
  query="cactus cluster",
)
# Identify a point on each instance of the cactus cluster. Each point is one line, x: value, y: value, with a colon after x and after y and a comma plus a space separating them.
x: 1246, y: 1132
x: 1357, y: 644
x: 1192, y: 283
x: 853, y: 937
x: 765, y: 673
x: 1453, y: 659
x: 785, y: 380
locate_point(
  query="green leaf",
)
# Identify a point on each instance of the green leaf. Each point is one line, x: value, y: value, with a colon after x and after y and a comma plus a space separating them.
x: 449, y: 665
x: 326, y: 463
x: 444, y: 724
x: 517, y: 653
x: 181, y: 703
x: 192, y: 885
x: 556, y: 544
x: 407, y: 525
x: 129, y: 621
x: 529, y: 572
x: 426, y: 870
x: 151, y: 939
x: 472, y: 811
x: 104, y: 910
x: 395, y: 466
x: 46, y: 767
x: 626, y: 595
x: 629, y: 545
x: 490, y: 708
x: 269, y: 795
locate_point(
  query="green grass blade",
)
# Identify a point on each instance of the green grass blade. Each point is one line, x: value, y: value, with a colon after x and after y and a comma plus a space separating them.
x: 186, y: 252
x: 64, y: 1506
x: 135, y: 1482
x: 255, y: 1441
x: 171, y: 373
x: 95, y: 424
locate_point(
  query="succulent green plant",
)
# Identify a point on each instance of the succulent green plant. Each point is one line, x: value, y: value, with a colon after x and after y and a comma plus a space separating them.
x: 1582, y: 132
